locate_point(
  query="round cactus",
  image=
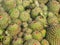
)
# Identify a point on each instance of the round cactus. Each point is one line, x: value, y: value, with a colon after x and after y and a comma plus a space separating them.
x: 25, y: 24
x: 14, y: 13
x: 24, y: 16
x: 4, y: 20
x: 36, y: 11
x: 27, y: 36
x: 32, y: 42
x: 44, y: 42
x: 42, y: 20
x: 36, y: 25
x: 6, y: 40
x: 19, y: 2
x: 9, y: 4
x: 37, y: 35
x: 54, y: 6
x: 28, y: 30
x: 20, y: 8
x: 52, y: 19
x: 17, y: 41
x: 26, y: 3
x: 13, y: 29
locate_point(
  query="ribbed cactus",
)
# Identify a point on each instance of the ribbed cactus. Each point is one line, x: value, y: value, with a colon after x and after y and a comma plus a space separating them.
x: 53, y: 31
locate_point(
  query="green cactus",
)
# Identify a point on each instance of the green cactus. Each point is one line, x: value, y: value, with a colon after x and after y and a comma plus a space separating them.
x: 26, y: 3
x: 45, y: 9
x: 4, y: 20
x: 9, y: 4
x: 28, y: 30
x: 43, y: 32
x: 37, y: 35
x: 19, y: 2
x: 17, y: 41
x: 14, y: 13
x: 25, y: 24
x: 6, y: 40
x: 32, y: 42
x: 54, y: 6
x: 42, y: 20
x: 44, y: 42
x: 20, y: 8
x: 24, y: 16
x: 27, y: 36
x: 52, y: 19
x: 36, y: 25
x: 13, y: 29
x: 36, y: 11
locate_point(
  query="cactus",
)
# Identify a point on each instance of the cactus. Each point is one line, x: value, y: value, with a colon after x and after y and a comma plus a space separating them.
x: 14, y: 13
x: 42, y: 20
x: 27, y: 36
x: 13, y: 29
x: 24, y: 16
x: 44, y: 42
x: 54, y: 6
x: 37, y: 35
x: 20, y: 8
x: 32, y: 42
x: 17, y: 41
x: 4, y: 20
x: 36, y: 25
x: 6, y: 40
x: 9, y: 4
x: 36, y: 11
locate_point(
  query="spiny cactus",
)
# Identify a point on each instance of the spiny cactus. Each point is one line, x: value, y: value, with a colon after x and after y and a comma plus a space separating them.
x: 24, y: 16
x: 4, y: 20
x: 17, y: 41
x: 37, y: 35
x: 6, y: 40
x: 54, y: 6
x: 36, y: 11
x: 9, y: 4
x: 14, y: 13
x: 32, y: 42
x: 44, y: 42
x: 13, y: 29
x: 36, y: 25
x: 27, y: 36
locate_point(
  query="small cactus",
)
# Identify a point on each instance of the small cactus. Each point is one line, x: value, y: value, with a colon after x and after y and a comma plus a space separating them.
x: 13, y: 29
x: 36, y: 11
x: 9, y: 4
x: 17, y: 41
x: 37, y: 35
x: 4, y: 20
x: 36, y: 25
x: 24, y: 16
x: 14, y: 13
x: 6, y: 40
x: 44, y: 42
x: 32, y: 42
x: 27, y: 36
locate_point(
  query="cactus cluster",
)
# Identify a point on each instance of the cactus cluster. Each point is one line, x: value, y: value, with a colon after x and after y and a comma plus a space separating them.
x: 29, y: 22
